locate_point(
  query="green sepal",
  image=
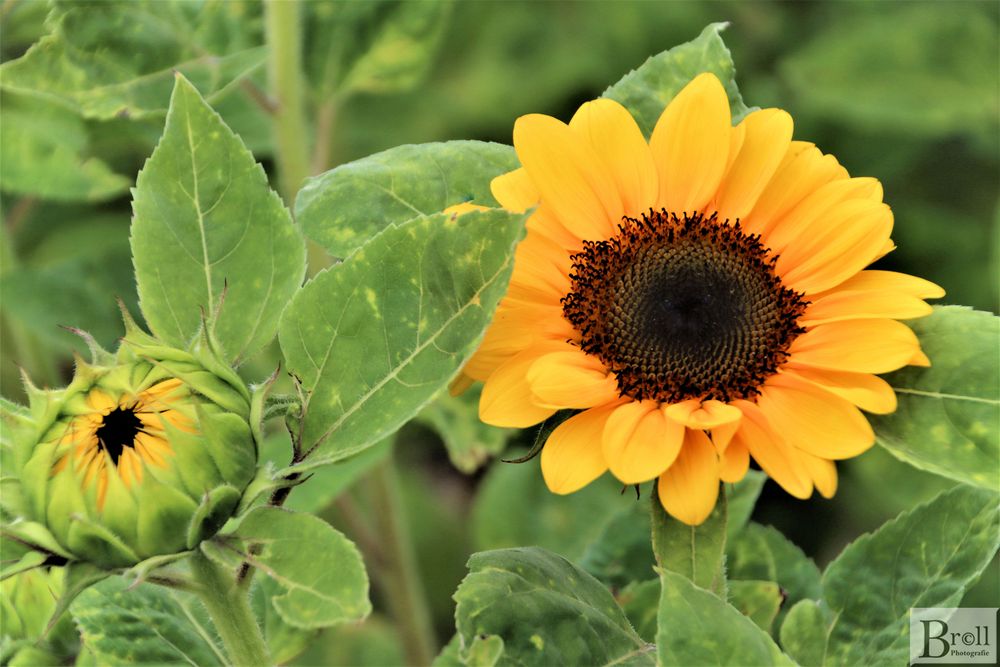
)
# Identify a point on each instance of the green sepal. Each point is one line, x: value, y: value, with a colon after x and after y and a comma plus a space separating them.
x: 34, y: 535
x: 27, y: 561
x: 163, y: 517
x: 99, y: 543
x: 216, y: 507
x: 226, y: 440
x: 78, y: 577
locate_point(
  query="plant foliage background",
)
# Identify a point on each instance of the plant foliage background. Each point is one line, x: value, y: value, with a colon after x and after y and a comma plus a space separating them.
x: 908, y: 92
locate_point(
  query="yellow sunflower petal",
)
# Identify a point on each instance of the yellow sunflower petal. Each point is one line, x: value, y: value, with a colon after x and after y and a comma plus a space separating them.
x: 507, y: 399
x: 572, y: 457
x: 690, y: 145
x: 804, y: 170
x: 100, y: 401
x: 889, y: 281
x: 612, y: 132
x: 869, y: 392
x: 779, y: 460
x: 571, y: 177
x: 814, y: 420
x: 703, y: 415
x: 859, y: 346
x: 919, y: 359
x: 768, y: 134
x: 689, y: 488
x: 570, y: 378
x: 723, y: 434
x: 541, y: 271
x: 846, y: 242
x: 639, y: 442
x: 823, y: 473
x: 515, y: 191
x: 734, y: 462
x: 840, y: 305
x: 514, y: 329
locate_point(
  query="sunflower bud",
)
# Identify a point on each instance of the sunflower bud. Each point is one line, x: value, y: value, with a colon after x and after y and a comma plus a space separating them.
x: 145, y: 453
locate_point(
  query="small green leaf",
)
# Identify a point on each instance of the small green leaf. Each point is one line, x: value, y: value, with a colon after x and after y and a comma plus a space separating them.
x: 44, y: 154
x: 927, y: 557
x: 803, y: 633
x: 546, y: 611
x: 698, y: 628
x: 106, y: 59
x: 696, y: 552
x: 284, y: 641
x: 761, y: 553
x: 374, y: 338
x: 320, y: 570
x: 344, y: 207
x: 402, y: 49
x: 469, y: 441
x: 741, y: 499
x: 647, y: 90
x: 208, y: 228
x: 948, y: 419
x: 757, y: 600
x: 144, y: 625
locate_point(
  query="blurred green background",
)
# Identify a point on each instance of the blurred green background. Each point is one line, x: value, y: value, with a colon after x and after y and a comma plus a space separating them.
x: 908, y: 92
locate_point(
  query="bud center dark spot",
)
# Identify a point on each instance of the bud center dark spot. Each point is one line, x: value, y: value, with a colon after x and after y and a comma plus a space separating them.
x: 682, y: 307
x: 118, y: 430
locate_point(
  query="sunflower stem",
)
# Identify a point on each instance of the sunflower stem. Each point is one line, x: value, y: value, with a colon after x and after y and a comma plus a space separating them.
x: 229, y: 607
x: 283, y: 25
x: 404, y: 589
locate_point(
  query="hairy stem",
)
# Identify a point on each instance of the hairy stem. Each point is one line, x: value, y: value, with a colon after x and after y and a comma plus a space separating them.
x: 284, y: 37
x: 229, y: 607
x: 404, y: 590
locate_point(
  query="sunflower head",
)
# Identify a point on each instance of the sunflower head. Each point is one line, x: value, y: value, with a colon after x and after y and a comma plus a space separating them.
x: 699, y: 298
x: 145, y: 453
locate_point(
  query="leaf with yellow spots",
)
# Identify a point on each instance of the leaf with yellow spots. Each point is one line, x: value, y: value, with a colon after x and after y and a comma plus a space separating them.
x: 207, y: 229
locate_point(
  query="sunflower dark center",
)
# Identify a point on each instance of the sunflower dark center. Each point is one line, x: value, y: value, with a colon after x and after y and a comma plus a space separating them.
x: 118, y: 430
x: 682, y: 307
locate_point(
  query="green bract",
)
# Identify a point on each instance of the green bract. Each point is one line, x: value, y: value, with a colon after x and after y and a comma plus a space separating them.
x: 146, y: 452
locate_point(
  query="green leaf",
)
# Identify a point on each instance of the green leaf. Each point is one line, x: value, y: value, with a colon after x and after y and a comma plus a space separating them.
x: 514, y: 508
x: 207, y: 228
x: 373, y: 339
x: 646, y: 91
x: 741, y: 498
x: 757, y: 600
x: 402, y: 49
x: 344, y: 207
x: 45, y: 154
x: 698, y: 628
x: 948, y: 421
x: 803, y: 633
x: 641, y: 603
x: 546, y: 611
x: 320, y: 570
x: 106, y: 59
x: 901, y: 68
x: 622, y: 552
x: 144, y: 625
x: 927, y: 557
x: 284, y: 641
x: 761, y: 553
x: 469, y: 441
x: 696, y: 552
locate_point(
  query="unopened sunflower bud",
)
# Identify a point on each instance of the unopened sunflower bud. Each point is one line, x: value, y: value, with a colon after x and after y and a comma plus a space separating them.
x: 144, y: 454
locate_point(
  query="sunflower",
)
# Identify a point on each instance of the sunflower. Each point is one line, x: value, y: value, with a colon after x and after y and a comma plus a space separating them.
x: 121, y: 435
x: 696, y: 300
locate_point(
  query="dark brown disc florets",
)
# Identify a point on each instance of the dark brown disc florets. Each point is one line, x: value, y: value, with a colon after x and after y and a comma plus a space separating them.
x: 118, y: 430
x: 683, y: 307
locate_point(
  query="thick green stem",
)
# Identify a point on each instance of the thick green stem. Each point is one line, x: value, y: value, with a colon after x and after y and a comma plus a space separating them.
x: 403, y: 587
x: 284, y: 38
x: 229, y: 607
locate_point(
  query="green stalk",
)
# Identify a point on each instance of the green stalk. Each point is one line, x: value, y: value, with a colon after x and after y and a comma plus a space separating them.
x: 283, y: 26
x: 229, y: 608
x: 403, y: 587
